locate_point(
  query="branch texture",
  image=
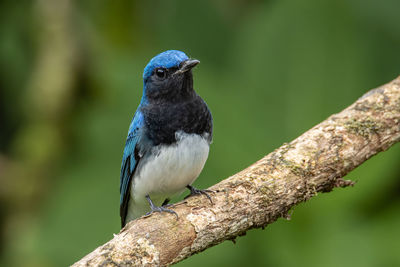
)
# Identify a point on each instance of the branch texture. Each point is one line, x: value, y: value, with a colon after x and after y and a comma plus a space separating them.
x: 257, y: 196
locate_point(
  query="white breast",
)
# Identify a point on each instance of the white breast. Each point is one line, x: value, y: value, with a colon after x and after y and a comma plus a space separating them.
x: 167, y: 172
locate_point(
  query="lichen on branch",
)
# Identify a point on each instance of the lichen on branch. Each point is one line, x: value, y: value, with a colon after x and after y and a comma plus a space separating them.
x: 315, y: 162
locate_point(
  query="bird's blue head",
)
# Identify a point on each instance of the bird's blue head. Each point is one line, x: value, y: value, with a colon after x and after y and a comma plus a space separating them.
x: 168, y: 76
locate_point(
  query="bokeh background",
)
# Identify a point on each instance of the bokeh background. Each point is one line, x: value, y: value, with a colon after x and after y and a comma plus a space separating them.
x: 70, y: 82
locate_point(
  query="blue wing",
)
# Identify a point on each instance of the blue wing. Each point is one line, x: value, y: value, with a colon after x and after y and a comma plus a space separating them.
x: 130, y: 161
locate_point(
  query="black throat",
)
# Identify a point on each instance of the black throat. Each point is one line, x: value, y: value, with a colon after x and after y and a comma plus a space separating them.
x: 176, y: 109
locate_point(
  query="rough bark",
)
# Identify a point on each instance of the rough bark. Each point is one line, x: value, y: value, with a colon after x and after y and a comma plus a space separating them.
x: 257, y: 196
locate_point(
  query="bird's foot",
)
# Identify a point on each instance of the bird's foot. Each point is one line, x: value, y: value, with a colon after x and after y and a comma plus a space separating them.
x: 161, y: 209
x: 194, y: 191
x: 155, y: 208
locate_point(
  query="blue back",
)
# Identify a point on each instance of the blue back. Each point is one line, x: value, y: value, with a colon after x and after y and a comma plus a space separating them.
x: 129, y: 161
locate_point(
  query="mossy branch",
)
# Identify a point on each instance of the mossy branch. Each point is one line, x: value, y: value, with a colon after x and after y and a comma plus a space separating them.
x: 257, y: 196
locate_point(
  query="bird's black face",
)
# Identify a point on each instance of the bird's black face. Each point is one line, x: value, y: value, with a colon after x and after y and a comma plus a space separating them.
x: 171, y: 84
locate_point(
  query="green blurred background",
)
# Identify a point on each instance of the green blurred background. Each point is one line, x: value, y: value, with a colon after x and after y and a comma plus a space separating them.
x: 70, y: 81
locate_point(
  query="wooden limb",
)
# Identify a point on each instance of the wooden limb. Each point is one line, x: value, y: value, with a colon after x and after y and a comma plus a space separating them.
x: 257, y: 196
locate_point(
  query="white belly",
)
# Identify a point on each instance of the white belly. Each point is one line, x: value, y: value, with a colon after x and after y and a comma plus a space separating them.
x: 167, y: 172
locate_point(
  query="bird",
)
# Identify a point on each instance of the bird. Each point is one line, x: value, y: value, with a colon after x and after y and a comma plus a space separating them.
x: 168, y: 139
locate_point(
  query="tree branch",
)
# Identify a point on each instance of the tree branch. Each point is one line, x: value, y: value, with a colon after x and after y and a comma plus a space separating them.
x: 257, y: 196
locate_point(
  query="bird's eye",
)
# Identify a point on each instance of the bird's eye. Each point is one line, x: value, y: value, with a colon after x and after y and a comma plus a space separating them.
x: 161, y: 73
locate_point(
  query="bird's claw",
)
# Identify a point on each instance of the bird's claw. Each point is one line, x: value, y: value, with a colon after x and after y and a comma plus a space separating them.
x: 161, y: 209
x: 194, y: 191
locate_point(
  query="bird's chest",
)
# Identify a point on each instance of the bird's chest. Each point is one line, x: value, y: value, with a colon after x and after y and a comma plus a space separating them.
x: 170, y: 168
x: 163, y: 121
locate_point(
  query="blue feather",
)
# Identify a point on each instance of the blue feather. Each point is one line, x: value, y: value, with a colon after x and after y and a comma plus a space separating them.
x: 130, y: 160
x: 167, y: 59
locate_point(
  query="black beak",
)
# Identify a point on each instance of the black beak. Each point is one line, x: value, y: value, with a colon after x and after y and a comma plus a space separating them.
x: 187, y: 65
